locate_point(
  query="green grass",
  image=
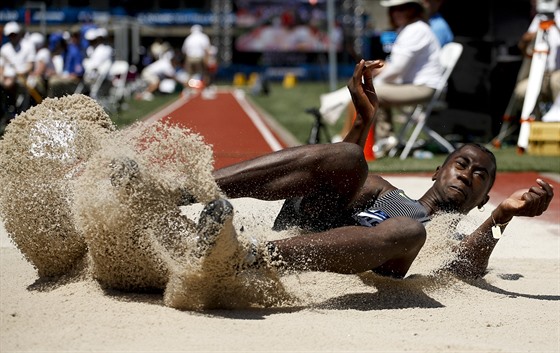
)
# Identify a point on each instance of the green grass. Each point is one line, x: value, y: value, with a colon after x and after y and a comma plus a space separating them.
x: 288, y: 106
x: 138, y: 109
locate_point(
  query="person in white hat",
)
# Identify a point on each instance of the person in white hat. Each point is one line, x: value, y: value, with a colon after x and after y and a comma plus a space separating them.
x: 195, y: 48
x: 413, y: 70
x: 100, y: 56
x: 153, y: 75
x: 43, y: 67
x: 16, y: 62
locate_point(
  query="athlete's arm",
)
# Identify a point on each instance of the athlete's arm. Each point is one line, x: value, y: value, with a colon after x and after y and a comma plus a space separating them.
x: 364, y: 99
x: 474, y: 251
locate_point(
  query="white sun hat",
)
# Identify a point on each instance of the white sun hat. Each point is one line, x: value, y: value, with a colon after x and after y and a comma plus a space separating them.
x: 391, y: 3
x: 37, y: 39
x: 91, y: 34
x: 11, y: 28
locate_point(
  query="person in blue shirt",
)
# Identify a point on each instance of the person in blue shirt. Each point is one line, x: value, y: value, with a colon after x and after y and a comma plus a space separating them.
x: 73, y: 59
x: 73, y: 69
x: 439, y: 25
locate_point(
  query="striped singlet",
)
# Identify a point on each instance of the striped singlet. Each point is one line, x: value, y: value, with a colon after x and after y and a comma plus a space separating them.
x: 395, y: 203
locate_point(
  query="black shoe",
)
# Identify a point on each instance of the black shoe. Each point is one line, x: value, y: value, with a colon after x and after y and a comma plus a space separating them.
x: 215, y: 223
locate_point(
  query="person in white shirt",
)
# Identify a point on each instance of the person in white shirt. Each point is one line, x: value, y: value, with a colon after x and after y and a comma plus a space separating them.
x: 195, y: 48
x: 100, y: 57
x: 43, y: 67
x: 16, y: 62
x: 413, y: 71
x: 165, y: 67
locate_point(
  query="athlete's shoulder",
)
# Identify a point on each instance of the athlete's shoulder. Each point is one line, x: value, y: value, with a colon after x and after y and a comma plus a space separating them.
x: 377, y: 185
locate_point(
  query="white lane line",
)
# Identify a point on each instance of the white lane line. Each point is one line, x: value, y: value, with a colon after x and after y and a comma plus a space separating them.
x: 257, y: 121
x: 164, y: 113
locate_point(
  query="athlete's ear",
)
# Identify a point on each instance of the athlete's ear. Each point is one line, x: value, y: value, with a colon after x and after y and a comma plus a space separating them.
x: 484, y: 201
x: 436, y: 173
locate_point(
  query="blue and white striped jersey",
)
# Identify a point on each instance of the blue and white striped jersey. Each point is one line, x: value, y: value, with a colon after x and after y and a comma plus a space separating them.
x: 395, y: 203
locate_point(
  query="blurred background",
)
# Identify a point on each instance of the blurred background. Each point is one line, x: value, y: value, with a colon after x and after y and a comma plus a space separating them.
x: 273, y: 37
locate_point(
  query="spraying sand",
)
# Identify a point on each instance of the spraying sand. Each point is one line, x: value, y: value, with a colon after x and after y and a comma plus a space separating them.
x: 80, y: 197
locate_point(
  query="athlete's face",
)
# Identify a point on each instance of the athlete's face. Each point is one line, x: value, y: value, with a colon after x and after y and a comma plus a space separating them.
x: 464, y: 181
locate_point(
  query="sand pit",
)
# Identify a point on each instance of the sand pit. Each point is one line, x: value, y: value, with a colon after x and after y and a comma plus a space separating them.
x: 514, y: 308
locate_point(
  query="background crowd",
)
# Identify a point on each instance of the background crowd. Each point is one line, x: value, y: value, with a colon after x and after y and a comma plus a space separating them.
x: 82, y: 60
x: 34, y: 66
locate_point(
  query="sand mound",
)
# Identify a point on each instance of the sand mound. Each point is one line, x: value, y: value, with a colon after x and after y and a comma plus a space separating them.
x: 42, y: 149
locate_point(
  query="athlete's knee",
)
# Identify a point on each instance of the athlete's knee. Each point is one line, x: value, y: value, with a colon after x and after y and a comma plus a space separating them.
x: 347, y: 157
x: 410, y: 235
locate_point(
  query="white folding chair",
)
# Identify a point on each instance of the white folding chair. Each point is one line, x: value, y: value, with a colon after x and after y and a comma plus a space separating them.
x: 449, y: 55
x: 99, y: 75
x: 118, y: 74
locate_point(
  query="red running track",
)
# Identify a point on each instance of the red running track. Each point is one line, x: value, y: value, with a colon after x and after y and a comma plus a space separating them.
x: 238, y: 132
x: 228, y: 122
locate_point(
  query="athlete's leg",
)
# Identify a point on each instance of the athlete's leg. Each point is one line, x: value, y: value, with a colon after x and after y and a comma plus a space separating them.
x: 338, y: 169
x: 389, y: 249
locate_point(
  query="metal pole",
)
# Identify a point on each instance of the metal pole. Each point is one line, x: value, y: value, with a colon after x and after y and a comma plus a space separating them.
x: 135, y: 42
x: 332, y: 48
x: 43, y: 13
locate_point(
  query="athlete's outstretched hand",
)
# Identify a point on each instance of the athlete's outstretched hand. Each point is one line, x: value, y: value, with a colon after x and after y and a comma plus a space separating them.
x: 361, y: 88
x: 529, y: 203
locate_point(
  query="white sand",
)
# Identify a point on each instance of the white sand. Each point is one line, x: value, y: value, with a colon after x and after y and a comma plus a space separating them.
x: 515, y: 308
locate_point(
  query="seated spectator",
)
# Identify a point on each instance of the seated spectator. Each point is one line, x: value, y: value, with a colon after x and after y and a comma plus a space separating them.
x: 16, y: 62
x: 43, y: 67
x: 72, y: 67
x: 99, y: 59
x: 412, y: 74
x: 153, y: 74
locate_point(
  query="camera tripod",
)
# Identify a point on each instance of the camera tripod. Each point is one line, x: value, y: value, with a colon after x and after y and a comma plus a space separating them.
x: 317, y: 128
x: 534, y: 84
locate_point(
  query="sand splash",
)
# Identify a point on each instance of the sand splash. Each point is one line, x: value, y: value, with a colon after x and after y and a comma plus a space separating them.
x: 78, y: 195
x: 41, y: 151
x: 77, y: 192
